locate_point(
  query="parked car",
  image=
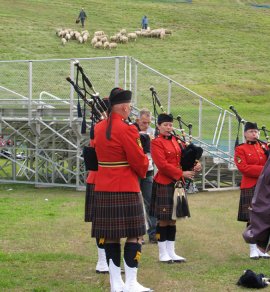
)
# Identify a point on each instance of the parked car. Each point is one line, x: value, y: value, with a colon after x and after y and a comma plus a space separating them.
x: 5, y: 153
x: 21, y: 156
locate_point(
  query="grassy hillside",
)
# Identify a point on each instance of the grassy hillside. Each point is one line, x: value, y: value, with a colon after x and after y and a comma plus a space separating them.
x: 220, y: 49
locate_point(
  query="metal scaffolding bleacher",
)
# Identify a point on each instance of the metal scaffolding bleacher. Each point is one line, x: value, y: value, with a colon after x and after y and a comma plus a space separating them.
x: 38, y: 116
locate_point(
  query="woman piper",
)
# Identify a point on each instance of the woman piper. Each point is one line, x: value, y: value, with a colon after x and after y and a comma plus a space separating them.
x: 250, y: 158
x: 166, y: 154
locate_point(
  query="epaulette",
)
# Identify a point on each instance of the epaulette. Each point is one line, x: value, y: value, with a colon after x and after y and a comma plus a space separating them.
x: 239, y: 145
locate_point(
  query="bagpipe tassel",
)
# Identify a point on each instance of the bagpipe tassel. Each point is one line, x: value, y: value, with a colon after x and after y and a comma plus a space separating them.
x: 79, y: 109
x: 185, y: 207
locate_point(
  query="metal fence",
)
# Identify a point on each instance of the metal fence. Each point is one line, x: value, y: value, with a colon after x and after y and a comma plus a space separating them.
x: 36, y: 102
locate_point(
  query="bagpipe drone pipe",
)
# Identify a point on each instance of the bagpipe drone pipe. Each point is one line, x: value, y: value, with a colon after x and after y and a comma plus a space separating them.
x: 191, y: 153
x: 265, y: 144
x: 98, y: 108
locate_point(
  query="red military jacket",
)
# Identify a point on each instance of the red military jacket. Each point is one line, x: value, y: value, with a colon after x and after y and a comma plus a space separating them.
x: 121, y: 159
x: 91, y: 174
x: 250, y: 159
x: 166, y: 154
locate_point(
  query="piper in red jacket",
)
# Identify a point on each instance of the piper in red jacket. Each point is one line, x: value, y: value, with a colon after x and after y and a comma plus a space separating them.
x: 250, y: 158
x: 166, y: 154
x: 119, y: 205
x: 121, y: 159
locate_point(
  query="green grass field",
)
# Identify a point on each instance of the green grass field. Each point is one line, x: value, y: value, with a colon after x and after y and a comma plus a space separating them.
x: 219, y: 49
x: 46, y: 246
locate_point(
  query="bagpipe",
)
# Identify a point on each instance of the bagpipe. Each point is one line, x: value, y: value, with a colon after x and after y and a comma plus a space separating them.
x: 191, y: 153
x: 98, y: 110
x: 97, y: 106
x: 265, y: 144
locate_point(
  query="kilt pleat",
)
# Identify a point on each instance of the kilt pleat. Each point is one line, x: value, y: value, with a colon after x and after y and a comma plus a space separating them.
x: 162, y: 201
x: 89, y: 202
x: 118, y: 215
x: 246, y: 196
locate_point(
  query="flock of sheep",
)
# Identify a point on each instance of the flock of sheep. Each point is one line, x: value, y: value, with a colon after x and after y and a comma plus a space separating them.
x: 68, y: 34
x: 102, y: 41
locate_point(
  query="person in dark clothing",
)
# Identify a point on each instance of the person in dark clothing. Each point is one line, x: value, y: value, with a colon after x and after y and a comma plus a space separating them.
x: 144, y: 22
x: 258, y: 231
x: 82, y: 16
x: 143, y: 125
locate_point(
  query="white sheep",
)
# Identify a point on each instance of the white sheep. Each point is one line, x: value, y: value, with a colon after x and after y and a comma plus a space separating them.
x: 94, y: 41
x: 132, y: 36
x: 85, y: 32
x: 99, y: 33
x: 123, y: 31
x: 72, y: 34
x: 162, y: 34
x: 77, y: 35
x: 145, y: 33
x: 113, y: 38
x: 112, y: 45
x: 63, y: 41
x: 58, y: 32
x: 80, y: 39
x: 104, y: 39
x: 85, y: 38
x: 67, y: 36
x: 98, y: 45
x: 106, y: 45
x: 138, y: 32
x: 168, y: 31
x: 123, y: 39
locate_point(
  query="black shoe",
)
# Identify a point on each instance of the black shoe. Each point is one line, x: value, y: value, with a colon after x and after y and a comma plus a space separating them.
x: 153, y: 240
x: 102, y: 272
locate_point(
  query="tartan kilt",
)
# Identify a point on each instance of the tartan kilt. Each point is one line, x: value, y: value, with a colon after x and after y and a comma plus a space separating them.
x: 162, y: 201
x: 246, y: 196
x: 89, y: 203
x: 118, y: 215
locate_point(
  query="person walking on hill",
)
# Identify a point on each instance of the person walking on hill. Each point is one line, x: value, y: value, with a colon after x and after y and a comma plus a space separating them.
x: 144, y: 22
x: 82, y: 16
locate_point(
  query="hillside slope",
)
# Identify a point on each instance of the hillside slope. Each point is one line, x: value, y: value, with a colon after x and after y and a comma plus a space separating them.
x: 220, y: 50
